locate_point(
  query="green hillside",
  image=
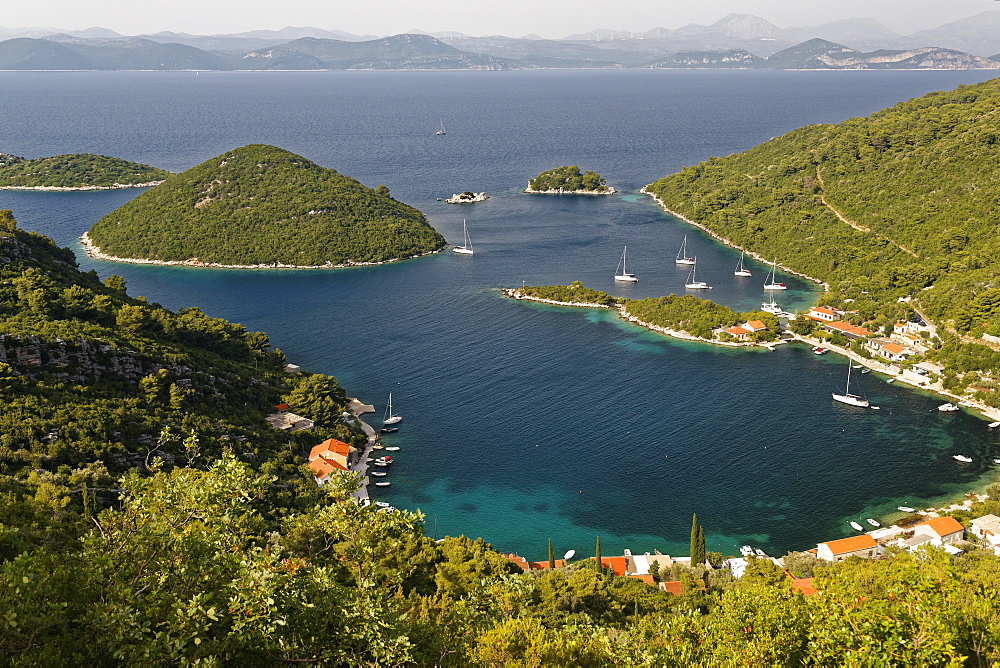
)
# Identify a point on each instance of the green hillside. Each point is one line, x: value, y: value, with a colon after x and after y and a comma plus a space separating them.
x: 904, y: 204
x: 262, y: 205
x: 77, y: 170
x: 568, y: 178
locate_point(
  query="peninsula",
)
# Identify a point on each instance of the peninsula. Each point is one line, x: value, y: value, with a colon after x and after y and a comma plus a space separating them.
x: 569, y: 180
x: 76, y: 171
x: 681, y: 317
x: 261, y: 206
x: 895, y: 214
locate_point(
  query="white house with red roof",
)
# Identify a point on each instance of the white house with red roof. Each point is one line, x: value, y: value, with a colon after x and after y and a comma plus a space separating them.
x: 854, y: 546
x: 941, y: 530
x: 331, y: 457
x: 823, y: 313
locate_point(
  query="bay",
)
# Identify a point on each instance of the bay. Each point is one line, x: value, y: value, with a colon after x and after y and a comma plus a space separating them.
x: 525, y: 422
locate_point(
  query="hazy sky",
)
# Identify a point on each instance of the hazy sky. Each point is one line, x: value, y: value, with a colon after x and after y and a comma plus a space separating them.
x: 552, y: 18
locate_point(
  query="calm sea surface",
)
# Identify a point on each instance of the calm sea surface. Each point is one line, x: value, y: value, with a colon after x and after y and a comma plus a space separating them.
x: 524, y: 422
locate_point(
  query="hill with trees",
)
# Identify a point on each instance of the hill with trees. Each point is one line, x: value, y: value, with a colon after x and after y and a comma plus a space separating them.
x: 568, y: 179
x: 262, y: 205
x: 149, y: 514
x: 895, y: 212
x: 76, y: 171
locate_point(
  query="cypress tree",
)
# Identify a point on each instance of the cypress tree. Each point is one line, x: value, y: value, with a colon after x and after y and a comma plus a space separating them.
x: 552, y: 555
x: 694, y: 538
x: 597, y: 553
x: 701, y: 546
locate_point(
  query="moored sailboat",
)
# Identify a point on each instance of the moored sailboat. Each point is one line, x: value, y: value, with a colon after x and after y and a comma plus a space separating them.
x: 441, y: 130
x: 682, y: 256
x: 847, y: 397
x: 624, y: 276
x: 692, y: 282
x: 740, y: 269
x: 466, y: 247
x: 771, y: 283
x: 389, y: 417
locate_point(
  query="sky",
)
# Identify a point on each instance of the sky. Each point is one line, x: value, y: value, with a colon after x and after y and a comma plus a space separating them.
x: 514, y: 18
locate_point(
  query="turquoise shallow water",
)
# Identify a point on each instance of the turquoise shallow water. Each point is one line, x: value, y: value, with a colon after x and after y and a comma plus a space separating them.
x: 521, y: 421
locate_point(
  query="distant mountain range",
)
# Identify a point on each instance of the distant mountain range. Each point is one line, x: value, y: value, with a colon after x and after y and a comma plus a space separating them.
x: 736, y: 41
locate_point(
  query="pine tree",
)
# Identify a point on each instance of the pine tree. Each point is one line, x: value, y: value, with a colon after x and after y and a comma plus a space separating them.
x: 552, y: 555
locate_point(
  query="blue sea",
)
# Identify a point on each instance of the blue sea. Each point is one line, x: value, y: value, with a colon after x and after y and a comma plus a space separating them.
x: 525, y: 422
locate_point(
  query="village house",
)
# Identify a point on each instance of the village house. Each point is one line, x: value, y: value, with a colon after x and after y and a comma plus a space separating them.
x: 848, y: 330
x: 890, y: 350
x: 855, y: 546
x: 823, y: 313
x: 526, y: 565
x: 754, y: 325
x: 740, y: 333
x: 331, y: 457
x: 940, y: 532
x: 987, y: 530
x: 284, y: 420
x: 639, y: 564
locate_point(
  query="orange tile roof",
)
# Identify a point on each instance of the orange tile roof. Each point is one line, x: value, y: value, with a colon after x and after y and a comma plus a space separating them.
x: 804, y: 585
x: 672, y: 587
x: 282, y: 407
x: 851, y: 544
x: 943, y: 526
x: 823, y: 309
x: 542, y: 565
x: 330, y: 445
x: 842, y: 326
x: 323, y: 467
x: 518, y: 561
x: 618, y: 565
x: 893, y: 348
x: 737, y: 331
x: 647, y: 578
x: 756, y: 325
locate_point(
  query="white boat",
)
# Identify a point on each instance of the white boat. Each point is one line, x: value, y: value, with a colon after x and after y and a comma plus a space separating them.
x: 378, y: 473
x: 682, y: 256
x: 441, y: 130
x: 819, y: 350
x: 389, y: 417
x: 383, y: 504
x: 847, y: 397
x: 869, y: 520
x: 891, y: 380
x: 746, y: 551
x: 376, y: 463
x: 383, y: 484
x: 962, y: 458
x: 771, y: 307
x: 906, y: 509
x: 996, y: 461
x: 993, y: 425
x: 466, y: 247
x: 624, y: 275
x: 391, y: 448
x: 857, y: 526
x: 694, y: 284
x: 740, y: 269
x: 948, y: 408
x: 760, y: 553
x: 769, y: 283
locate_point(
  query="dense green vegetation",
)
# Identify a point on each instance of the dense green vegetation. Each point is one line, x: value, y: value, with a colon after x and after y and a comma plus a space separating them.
x: 262, y: 205
x: 918, y: 182
x: 149, y: 515
x: 574, y: 292
x: 77, y: 170
x: 568, y: 179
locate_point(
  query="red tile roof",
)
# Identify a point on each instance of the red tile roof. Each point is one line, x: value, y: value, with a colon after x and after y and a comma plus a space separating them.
x: 323, y: 467
x: 756, y: 325
x: 894, y: 348
x: 672, y: 587
x: 282, y: 407
x: 648, y: 579
x: 330, y: 445
x: 618, y: 565
x: 518, y: 561
x: 823, y: 309
x: 847, y: 327
x: 943, y: 526
x: 737, y: 331
x: 542, y: 565
x: 804, y: 585
x: 851, y: 544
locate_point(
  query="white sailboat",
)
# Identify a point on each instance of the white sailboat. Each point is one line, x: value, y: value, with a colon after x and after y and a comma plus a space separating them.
x: 466, y: 247
x: 693, y: 283
x: 769, y: 283
x: 389, y: 417
x: 741, y: 270
x: 624, y: 276
x: 682, y: 256
x: 441, y: 131
x: 847, y: 397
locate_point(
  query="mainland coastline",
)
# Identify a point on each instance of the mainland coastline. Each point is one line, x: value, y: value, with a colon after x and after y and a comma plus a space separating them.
x: 61, y: 189
x: 94, y: 251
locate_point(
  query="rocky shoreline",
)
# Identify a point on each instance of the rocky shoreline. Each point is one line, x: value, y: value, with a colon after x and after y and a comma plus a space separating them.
x: 58, y: 189
x: 608, y: 190
x: 461, y: 199
x: 95, y: 252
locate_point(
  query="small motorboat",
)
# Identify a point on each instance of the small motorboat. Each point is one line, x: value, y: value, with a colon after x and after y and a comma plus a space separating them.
x: 383, y: 504
x: 392, y: 448
x: 382, y: 484
x: 962, y: 458
x: 870, y: 520
x: 746, y: 551
x: 388, y: 430
x: 891, y: 380
x: 857, y: 527
x: 948, y: 408
x: 378, y: 473
x: 906, y: 509
x: 866, y: 370
x: 856, y: 366
x: 993, y: 425
x: 760, y: 553
x: 996, y: 461
x: 385, y: 459
x: 377, y: 463
x: 820, y: 351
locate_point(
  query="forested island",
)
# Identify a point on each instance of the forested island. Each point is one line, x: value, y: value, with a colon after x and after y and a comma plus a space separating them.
x: 684, y: 316
x: 260, y: 206
x: 76, y: 171
x: 896, y: 212
x: 569, y: 180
